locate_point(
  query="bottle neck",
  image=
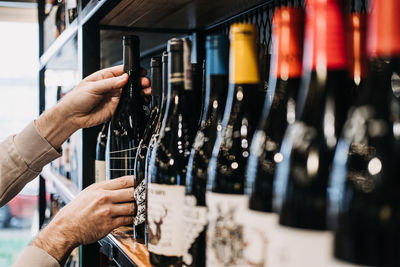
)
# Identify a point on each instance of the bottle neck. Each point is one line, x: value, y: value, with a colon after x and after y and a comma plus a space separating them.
x: 384, y: 29
x: 287, y: 43
x: 243, y: 61
x: 325, y: 46
x: 156, y: 86
x: 131, y: 89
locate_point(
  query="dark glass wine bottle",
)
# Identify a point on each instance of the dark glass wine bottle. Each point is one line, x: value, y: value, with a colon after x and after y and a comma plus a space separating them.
x: 278, y: 113
x: 302, y: 238
x: 364, y: 185
x: 225, y: 197
x: 140, y: 161
x: 100, y: 161
x: 166, y: 189
x: 195, y: 212
x: 129, y: 120
x: 161, y: 117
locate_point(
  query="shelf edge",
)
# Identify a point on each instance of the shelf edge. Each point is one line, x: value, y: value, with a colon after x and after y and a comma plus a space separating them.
x: 65, y: 187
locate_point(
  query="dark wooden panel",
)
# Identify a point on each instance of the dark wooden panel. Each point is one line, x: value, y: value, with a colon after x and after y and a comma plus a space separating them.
x: 142, y: 13
x: 176, y: 14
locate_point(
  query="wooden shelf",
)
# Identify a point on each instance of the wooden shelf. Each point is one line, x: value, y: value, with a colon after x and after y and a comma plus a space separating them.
x: 64, y: 187
x: 151, y: 15
x: 122, y: 248
x: 175, y: 14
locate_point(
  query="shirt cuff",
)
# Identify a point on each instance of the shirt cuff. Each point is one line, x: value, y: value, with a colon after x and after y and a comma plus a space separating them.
x: 35, y: 150
x: 35, y: 257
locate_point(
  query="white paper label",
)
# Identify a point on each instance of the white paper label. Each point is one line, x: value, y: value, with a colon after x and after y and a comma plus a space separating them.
x: 165, y: 219
x: 258, y: 230
x: 125, y: 158
x: 293, y: 247
x: 140, y: 198
x: 195, y: 219
x: 99, y: 170
x: 71, y: 4
x: 225, y: 229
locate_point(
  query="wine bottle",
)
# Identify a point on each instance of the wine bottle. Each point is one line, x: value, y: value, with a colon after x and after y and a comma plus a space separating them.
x: 140, y: 161
x: 225, y: 197
x: 166, y: 188
x: 302, y: 238
x: 100, y: 161
x: 161, y: 117
x: 192, y: 85
x: 129, y: 120
x: 363, y: 189
x: 195, y: 212
x: 278, y: 113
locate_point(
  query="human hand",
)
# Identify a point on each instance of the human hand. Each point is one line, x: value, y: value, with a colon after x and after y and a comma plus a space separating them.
x: 90, y: 103
x: 94, y: 213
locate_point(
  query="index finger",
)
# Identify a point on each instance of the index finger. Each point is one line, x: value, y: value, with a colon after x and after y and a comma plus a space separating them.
x: 106, y: 73
x: 119, y: 183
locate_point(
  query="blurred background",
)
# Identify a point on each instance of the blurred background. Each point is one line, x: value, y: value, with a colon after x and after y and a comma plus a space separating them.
x: 18, y: 106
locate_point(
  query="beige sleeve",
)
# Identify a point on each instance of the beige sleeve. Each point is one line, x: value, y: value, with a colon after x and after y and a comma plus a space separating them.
x: 22, y: 158
x: 35, y: 257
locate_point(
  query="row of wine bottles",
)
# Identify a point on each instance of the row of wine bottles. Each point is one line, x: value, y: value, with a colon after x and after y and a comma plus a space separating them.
x: 258, y: 160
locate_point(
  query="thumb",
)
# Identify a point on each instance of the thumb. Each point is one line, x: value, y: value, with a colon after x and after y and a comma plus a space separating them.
x: 104, y: 86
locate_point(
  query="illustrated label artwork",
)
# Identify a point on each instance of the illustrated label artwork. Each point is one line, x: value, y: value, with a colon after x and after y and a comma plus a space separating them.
x: 258, y: 234
x: 195, y: 219
x: 165, y: 219
x: 140, y: 198
x: 99, y: 170
x: 225, y: 229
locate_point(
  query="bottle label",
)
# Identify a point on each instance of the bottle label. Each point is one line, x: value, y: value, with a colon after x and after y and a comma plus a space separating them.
x: 99, y: 170
x: 225, y: 230
x: 258, y: 232
x: 293, y: 247
x: 71, y: 4
x: 124, y: 157
x: 165, y: 219
x: 140, y: 198
x: 195, y: 219
x: 288, y: 31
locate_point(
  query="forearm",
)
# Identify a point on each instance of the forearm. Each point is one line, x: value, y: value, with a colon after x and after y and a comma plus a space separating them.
x: 55, y: 126
x: 21, y: 159
x: 56, y: 239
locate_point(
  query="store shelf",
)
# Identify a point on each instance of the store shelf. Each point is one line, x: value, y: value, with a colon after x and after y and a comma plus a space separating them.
x: 64, y: 187
x: 123, y: 249
x: 181, y: 16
